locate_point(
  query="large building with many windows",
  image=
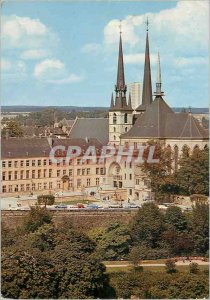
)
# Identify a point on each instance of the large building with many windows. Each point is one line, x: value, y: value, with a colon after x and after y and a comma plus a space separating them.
x: 27, y: 167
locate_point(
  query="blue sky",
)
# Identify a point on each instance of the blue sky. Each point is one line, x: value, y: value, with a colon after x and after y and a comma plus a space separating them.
x: 65, y: 53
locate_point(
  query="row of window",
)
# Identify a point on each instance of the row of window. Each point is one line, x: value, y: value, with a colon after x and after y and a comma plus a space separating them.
x: 27, y: 187
x: 26, y: 174
x: 88, y: 182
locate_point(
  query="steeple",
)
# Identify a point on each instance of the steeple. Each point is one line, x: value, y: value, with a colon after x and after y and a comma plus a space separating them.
x: 147, y: 83
x: 129, y: 102
x: 112, y: 102
x: 158, y: 80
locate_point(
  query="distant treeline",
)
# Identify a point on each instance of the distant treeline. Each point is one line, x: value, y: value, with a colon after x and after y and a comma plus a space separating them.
x: 25, y: 108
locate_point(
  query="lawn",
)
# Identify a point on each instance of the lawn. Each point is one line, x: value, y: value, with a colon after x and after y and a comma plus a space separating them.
x: 152, y: 269
x: 74, y: 202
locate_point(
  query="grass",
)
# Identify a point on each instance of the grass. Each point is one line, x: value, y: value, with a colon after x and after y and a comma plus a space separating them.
x: 73, y: 202
x: 155, y: 261
x: 151, y: 269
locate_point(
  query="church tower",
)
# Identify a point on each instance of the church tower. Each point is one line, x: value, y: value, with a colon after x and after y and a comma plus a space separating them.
x: 120, y: 112
x: 147, y: 82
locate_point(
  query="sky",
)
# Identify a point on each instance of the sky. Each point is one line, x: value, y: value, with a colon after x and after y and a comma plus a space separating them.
x: 65, y: 53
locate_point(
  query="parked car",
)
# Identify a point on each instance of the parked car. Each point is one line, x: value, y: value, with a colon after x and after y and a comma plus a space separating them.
x: 115, y: 206
x: 92, y: 206
x: 131, y: 206
x: 80, y: 205
x: 63, y: 206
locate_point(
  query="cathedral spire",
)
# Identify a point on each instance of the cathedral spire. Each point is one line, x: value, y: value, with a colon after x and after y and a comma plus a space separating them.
x: 158, y: 80
x: 147, y: 83
x: 120, y: 86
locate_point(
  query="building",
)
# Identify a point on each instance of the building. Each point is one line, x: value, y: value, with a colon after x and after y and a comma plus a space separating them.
x: 26, y: 166
x: 134, y: 90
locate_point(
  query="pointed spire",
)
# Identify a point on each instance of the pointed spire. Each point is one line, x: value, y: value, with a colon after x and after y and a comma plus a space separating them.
x: 120, y: 86
x: 112, y: 101
x: 147, y: 84
x: 129, y: 102
x: 158, y: 80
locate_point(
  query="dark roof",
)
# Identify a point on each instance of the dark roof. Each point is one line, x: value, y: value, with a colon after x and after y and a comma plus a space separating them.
x: 97, y: 128
x: 24, y: 147
x: 40, y: 147
x: 159, y: 121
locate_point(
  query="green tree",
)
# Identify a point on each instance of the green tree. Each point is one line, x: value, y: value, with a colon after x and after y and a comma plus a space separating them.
x: 36, y: 218
x: 113, y: 242
x: 134, y: 257
x: 175, y: 218
x: 200, y: 227
x: 14, y: 129
x: 192, y: 177
x: 52, y: 263
x: 147, y: 225
x: 194, y: 268
x: 46, y: 199
x: 170, y: 266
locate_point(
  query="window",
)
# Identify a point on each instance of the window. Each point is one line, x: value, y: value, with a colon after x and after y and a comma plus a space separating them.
x: 64, y: 172
x: 33, y: 163
x: 16, y: 164
x: 16, y: 188
x: 78, y: 172
x: 27, y: 163
x: 88, y: 182
x: 125, y: 175
x: 64, y: 162
x: 130, y: 176
x: 45, y: 162
x: 27, y: 187
x: 16, y: 175
x: 79, y: 182
x: 50, y: 162
x: 39, y: 186
x: 137, y: 181
x: 114, y: 129
x: 58, y: 185
x: 126, y: 129
x: 33, y: 174
x: 114, y: 138
x: 130, y: 165
x: 33, y: 187
x: 22, y: 163
x: 9, y: 163
x: 10, y: 188
x: 114, y: 118
x: 125, y: 164
x: 27, y: 174
x: 4, y: 176
x: 70, y: 172
x: 22, y: 187
x: 126, y: 118
x: 45, y: 185
x: 39, y: 162
x: 45, y: 172
x: 50, y: 173
x: 102, y: 171
x: 58, y: 163
x: 83, y: 171
x: 39, y: 173
x: 88, y: 171
x: 70, y: 183
x: 97, y: 171
x: 130, y: 192
x: 4, y: 189
x: 78, y: 161
x: 50, y: 185
x: 3, y: 164
x: 21, y: 174
x: 10, y: 175
x: 97, y: 181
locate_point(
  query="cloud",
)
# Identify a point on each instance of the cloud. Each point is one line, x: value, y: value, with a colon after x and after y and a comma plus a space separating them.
x: 182, y: 28
x: 25, y: 32
x: 54, y: 71
x: 5, y: 65
x: 13, y: 70
x: 92, y: 48
x: 35, y: 54
x: 181, y: 62
x: 138, y: 58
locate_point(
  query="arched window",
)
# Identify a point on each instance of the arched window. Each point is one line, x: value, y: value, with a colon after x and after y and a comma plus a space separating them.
x: 126, y: 118
x: 126, y: 129
x: 185, y: 151
x: 114, y: 129
x: 176, y: 157
x: 114, y: 118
